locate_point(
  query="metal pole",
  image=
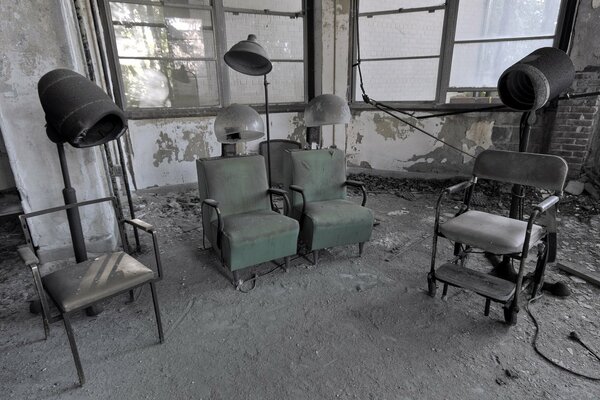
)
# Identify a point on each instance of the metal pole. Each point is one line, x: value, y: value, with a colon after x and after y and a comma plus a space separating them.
x: 268, y: 130
x: 73, y: 217
x: 128, y: 192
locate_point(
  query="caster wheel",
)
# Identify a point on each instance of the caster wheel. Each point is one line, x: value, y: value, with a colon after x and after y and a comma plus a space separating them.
x: 510, y: 316
x: 431, y: 286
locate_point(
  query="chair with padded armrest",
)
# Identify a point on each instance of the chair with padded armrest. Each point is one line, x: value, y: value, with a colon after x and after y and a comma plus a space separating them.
x: 472, y: 230
x: 79, y: 286
x: 237, y: 217
x: 327, y: 218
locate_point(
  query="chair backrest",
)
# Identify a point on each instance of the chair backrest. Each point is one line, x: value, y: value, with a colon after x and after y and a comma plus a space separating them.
x: 322, y: 174
x: 239, y: 184
x: 528, y: 169
x: 278, y: 148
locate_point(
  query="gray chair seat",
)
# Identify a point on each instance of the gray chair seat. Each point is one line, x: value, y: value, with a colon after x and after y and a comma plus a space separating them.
x: 253, y: 237
x: 85, y: 283
x: 336, y: 222
x: 493, y: 233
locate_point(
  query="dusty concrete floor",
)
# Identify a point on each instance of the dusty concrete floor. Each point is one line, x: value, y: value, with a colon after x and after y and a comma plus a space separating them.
x: 352, y: 328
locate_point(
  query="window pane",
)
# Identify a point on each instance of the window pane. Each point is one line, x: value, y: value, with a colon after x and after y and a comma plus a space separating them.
x: 190, y: 35
x: 157, y: 83
x: 125, y: 12
x: 399, y: 80
x: 286, y: 85
x: 481, y: 64
x: 273, y: 5
x: 187, y: 2
x: 401, y: 35
x: 194, y: 84
x: 386, y: 5
x: 487, y: 19
x: 281, y: 37
x: 141, y: 41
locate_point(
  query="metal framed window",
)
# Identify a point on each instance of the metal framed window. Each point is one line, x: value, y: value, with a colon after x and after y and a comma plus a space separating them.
x: 167, y: 55
x: 432, y: 54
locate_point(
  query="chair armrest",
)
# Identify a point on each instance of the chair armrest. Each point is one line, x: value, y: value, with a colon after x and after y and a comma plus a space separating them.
x: 138, y: 223
x: 215, y: 204
x: 146, y: 227
x: 28, y: 256
x: 360, y: 185
x: 297, y: 188
x: 458, y: 187
x: 212, y: 203
x: 300, y: 189
x: 282, y: 193
x: 547, y: 203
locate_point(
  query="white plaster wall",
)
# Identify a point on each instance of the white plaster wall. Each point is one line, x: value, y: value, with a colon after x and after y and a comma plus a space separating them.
x: 164, y: 150
x: 41, y: 36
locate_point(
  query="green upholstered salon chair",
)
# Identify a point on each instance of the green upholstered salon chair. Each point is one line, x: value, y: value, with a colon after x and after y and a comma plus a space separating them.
x: 478, y: 231
x: 278, y: 148
x: 237, y: 217
x: 319, y: 202
x: 79, y: 286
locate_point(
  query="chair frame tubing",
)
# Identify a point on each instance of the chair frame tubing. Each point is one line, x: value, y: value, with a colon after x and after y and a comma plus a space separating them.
x: 66, y: 316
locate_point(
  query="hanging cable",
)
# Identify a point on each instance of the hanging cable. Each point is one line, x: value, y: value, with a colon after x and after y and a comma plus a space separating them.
x: 385, y: 107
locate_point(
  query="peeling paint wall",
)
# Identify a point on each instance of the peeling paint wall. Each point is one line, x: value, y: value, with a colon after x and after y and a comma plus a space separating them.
x: 165, y: 150
x: 35, y: 38
x: 378, y: 141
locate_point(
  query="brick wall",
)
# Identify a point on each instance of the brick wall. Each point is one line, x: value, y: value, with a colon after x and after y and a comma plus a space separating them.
x: 575, y: 122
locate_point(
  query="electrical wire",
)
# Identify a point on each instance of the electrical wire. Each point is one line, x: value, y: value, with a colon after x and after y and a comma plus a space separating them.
x: 255, y: 278
x: 573, y: 336
x: 384, y: 107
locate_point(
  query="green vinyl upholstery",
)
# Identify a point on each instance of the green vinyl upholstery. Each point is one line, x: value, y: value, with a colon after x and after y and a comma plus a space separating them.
x: 329, y: 219
x: 251, y: 233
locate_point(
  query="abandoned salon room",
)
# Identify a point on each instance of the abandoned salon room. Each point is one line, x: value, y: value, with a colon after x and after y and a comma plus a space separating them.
x: 300, y: 199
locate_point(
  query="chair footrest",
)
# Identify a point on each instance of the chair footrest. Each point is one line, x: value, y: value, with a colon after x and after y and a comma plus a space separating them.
x: 479, y: 282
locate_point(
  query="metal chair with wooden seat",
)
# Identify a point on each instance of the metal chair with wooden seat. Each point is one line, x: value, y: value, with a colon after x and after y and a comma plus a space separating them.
x: 472, y: 230
x: 84, y: 284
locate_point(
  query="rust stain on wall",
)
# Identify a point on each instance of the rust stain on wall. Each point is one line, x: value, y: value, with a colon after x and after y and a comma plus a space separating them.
x: 167, y: 149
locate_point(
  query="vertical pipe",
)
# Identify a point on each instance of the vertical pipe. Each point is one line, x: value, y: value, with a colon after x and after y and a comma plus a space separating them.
x: 268, y: 130
x: 70, y: 197
x: 128, y: 191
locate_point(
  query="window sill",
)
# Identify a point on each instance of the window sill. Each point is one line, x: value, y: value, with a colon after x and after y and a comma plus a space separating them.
x: 466, y: 104
x: 162, y: 113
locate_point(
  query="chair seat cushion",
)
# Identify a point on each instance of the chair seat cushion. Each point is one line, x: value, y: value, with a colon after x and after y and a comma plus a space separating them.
x: 85, y: 283
x: 493, y: 233
x: 335, y: 223
x: 256, y: 237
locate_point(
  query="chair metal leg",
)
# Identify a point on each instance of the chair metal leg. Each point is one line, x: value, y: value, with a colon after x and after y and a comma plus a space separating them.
x: 487, y: 307
x: 39, y: 287
x: 445, y: 291
x: 157, y: 313
x: 315, y: 258
x: 74, y: 351
x: 286, y: 263
x: 361, y: 247
x: 131, y: 296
